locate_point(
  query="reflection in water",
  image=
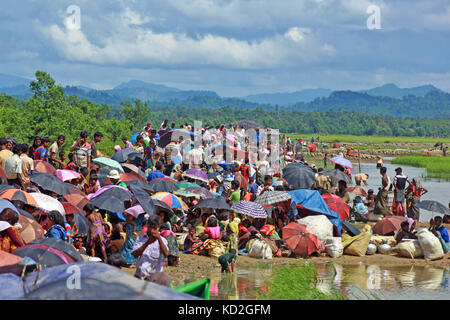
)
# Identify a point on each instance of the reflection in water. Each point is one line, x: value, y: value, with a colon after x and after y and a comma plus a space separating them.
x: 355, y: 281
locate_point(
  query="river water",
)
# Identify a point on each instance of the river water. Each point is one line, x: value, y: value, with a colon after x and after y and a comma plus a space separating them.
x: 356, y: 282
x: 438, y: 190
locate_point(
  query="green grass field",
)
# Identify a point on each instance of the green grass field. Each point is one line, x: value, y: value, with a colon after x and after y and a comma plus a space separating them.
x: 437, y: 167
x: 366, y: 139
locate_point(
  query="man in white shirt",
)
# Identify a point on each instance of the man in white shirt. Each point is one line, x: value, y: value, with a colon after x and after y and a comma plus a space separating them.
x: 196, y: 157
x: 13, y: 168
x: 267, y: 186
x: 150, y: 250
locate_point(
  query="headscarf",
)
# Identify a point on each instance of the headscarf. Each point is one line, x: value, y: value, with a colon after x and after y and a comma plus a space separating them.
x: 410, y: 222
x: 358, y: 199
x: 234, y: 226
x: 417, y: 183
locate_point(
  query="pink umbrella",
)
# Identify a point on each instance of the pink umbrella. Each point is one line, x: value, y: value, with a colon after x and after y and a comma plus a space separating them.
x: 135, y: 211
x: 230, y: 137
x: 67, y: 175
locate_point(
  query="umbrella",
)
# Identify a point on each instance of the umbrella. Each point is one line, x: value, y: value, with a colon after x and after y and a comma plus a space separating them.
x: 433, y: 206
x: 212, y: 175
x: 214, y: 203
x: 196, y: 174
x: 144, y: 200
x: 135, y: 211
x: 185, y: 185
x: 18, y: 195
x: 359, y: 191
x: 50, y: 183
x: 67, y: 175
x: 342, y: 162
x: 251, y: 209
x: 249, y: 124
x: 59, y: 245
x: 44, y: 255
x: 70, y: 208
x: 139, y: 184
x: 166, y: 136
x: 8, y: 259
x: 338, y: 205
x: 30, y: 229
x: 102, y: 175
x: 243, y: 182
x: 77, y: 199
x: 171, y: 200
x: 388, y: 225
x: 112, y: 191
x: 26, y: 214
x: 130, y: 176
x: 162, y: 185
x: 6, y: 204
x: 78, y: 216
x: 271, y: 197
x: 48, y: 203
x: 350, y: 228
x: 71, y: 189
x: 336, y: 175
x: 186, y: 194
x: 4, y: 187
x: 300, y: 239
x: 202, y: 192
x: 98, y: 281
x: 128, y: 167
x: 108, y: 203
x: 44, y: 167
x: 122, y: 155
x: 109, y: 163
x: 299, y: 176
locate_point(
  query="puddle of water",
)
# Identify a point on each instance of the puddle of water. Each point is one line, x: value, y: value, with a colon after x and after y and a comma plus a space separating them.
x: 357, y: 282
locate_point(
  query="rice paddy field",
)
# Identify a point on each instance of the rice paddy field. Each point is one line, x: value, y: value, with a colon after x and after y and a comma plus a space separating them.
x: 436, y: 166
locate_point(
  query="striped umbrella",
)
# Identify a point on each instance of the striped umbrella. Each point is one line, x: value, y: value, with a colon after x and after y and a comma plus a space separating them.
x: 171, y: 200
x: 18, y: 195
x: 271, y: 197
x: 342, y: 161
x: 196, y: 174
x: 250, y: 209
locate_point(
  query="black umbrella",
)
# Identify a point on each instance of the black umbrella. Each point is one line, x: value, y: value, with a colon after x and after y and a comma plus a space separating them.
x: 116, y: 192
x: 433, y: 206
x: 162, y: 185
x: 214, y: 203
x: 26, y: 214
x: 144, y: 200
x: 212, y: 175
x: 49, y: 182
x: 82, y: 223
x: 336, y: 175
x: 204, y: 193
x: 166, y: 136
x: 43, y: 254
x: 4, y: 187
x: 60, y: 245
x: 299, y: 176
x: 122, y: 155
x: 108, y: 203
x: 162, y: 206
x: 139, y: 184
x: 128, y: 167
x: 350, y: 228
x: 102, y: 175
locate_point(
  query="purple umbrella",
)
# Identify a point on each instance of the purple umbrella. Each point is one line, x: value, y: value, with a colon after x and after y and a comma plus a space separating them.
x: 196, y: 174
x: 342, y: 161
x: 202, y: 192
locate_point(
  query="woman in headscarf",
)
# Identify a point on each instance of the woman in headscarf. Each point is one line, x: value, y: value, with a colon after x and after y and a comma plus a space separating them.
x: 414, y: 192
x: 9, y: 236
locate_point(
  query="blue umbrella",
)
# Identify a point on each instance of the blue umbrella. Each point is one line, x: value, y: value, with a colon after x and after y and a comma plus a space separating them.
x: 6, y: 204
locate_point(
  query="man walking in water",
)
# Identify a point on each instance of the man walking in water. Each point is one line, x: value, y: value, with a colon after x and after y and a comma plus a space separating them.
x: 399, y: 194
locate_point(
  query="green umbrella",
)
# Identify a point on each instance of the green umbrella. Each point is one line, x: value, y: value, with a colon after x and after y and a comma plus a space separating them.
x: 185, y: 185
x: 184, y: 193
x: 108, y: 162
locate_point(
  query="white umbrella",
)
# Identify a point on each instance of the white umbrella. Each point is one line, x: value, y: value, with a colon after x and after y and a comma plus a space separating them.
x: 48, y: 203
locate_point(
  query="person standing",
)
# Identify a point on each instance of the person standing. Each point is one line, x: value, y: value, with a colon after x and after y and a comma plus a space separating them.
x: 98, y: 136
x: 41, y: 152
x: 4, y: 153
x: 27, y: 166
x: 82, y: 153
x: 415, y: 191
x: 53, y: 151
x: 13, y: 168
x: 128, y: 144
x: 169, y: 152
x: 381, y: 198
x: 325, y: 159
x: 399, y: 183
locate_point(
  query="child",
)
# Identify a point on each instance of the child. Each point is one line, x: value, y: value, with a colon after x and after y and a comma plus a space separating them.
x: 62, y: 157
x: 71, y: 165
x: 228, y: 259
x: 73, y: 224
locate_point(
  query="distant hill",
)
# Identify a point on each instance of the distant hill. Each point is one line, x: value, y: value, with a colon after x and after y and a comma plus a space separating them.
x: 145, y: 85
x: 288, y: 98
x: 7, y: 81
x: 392, y: 91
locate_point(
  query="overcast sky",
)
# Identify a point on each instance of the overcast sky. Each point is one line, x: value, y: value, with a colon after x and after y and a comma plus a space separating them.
x: 234, y: 47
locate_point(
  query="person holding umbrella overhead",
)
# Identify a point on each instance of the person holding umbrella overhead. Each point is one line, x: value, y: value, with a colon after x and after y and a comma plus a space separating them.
x: 114, y: 176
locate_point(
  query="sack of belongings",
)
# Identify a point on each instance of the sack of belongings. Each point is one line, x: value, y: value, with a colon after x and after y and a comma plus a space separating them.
x: 430, y: 244
x: 260, y: 250
x: 409, y: 249
x: 358, y: 244
x: 333, y: 247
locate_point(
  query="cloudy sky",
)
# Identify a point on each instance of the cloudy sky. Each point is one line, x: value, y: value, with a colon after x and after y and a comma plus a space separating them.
x: 234, y: 47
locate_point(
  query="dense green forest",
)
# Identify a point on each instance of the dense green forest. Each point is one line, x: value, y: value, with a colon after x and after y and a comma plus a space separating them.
x: 50, y: 112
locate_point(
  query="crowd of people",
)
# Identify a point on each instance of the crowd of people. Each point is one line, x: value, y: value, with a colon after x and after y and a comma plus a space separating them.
x: 237, y: 169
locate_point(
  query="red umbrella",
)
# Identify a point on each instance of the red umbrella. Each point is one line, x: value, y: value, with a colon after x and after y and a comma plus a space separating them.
x: 77, y: 200
x: 359, y: 191
x: 130, y: 176
x: 388, y: 225
x: 312, y: 147
x: 300, y: 239
x: 70, y: 208
x: 338, y: 205
x: 44, y: 167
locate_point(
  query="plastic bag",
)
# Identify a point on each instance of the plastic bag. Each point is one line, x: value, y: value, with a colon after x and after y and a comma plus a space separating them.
x: 430, y: 244
x: 260, y: 250
x: 359, y: 245
x: 409, y: 249
x: 180, y: 240
x: 333, y: 247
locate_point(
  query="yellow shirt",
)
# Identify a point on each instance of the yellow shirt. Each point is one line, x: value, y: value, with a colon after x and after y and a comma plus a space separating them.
x: 4, y: 154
